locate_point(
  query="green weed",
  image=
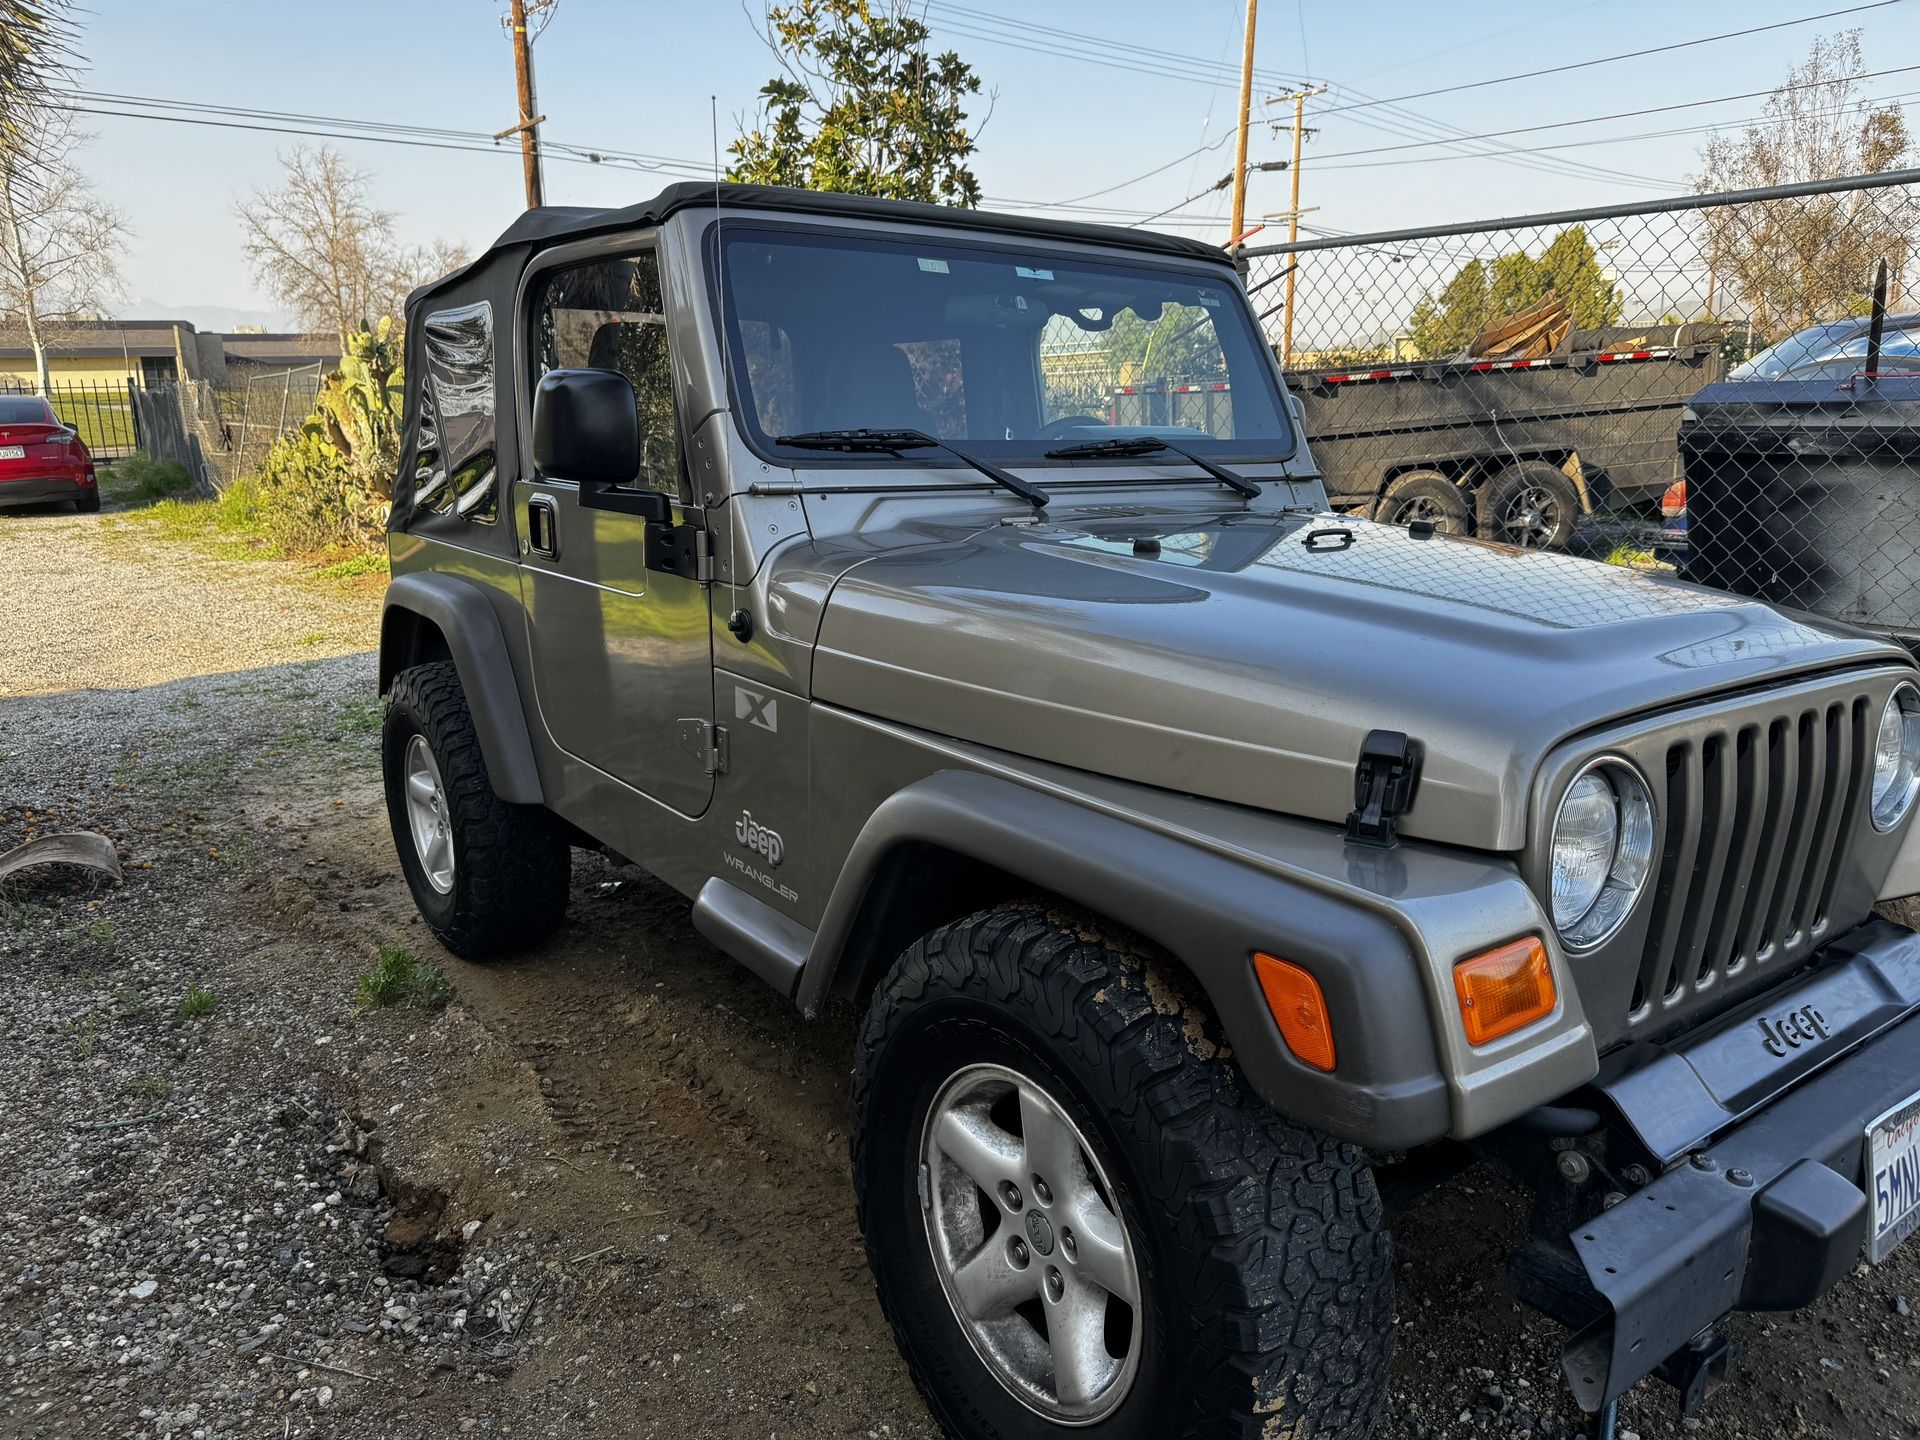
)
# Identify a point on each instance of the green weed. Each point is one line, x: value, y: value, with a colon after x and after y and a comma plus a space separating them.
x: 196, y: 1003
x: 149, y: 1087
x: 399, y: 979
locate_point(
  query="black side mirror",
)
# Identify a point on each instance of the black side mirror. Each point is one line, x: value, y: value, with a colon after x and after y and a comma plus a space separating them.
x: 586, y: 428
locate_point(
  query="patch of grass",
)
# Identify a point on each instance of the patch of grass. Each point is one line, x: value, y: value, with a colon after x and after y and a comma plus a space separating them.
x: 239, y: 851
x: 399, y: 979
x: 81, y: 1030
x: 313, y: 637
x: 369, y: 562
x: 196, y: 1003
x: 130, y: 1002
x: 362, y: 717
x: 139, y: 479
x: 95, y: 932
x: 149, y: 1087
x: 1631, y: 557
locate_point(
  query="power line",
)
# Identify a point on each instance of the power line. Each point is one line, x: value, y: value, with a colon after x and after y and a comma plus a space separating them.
x: 1610, y: 59
x: 1618, y: 115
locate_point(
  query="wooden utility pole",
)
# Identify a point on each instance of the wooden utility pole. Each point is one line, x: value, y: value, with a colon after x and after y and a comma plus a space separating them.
x: 1299, y: 98
x: 1246, y: 116
x: 528, y: 127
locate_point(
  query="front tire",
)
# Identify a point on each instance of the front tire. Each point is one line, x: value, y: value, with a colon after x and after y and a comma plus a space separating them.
x: 488, y: 877
x: 1023, y: 1077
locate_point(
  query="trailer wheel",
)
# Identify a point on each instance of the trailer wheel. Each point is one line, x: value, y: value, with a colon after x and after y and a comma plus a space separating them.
x: 1530, y: 504
x: 1425, y: 495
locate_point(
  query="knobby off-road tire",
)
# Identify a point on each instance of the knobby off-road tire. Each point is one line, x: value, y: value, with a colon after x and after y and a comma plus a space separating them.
x: 1262, y: 1268
x: 505, y: 887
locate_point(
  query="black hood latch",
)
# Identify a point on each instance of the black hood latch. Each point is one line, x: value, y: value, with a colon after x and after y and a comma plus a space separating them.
x: 1383, y: 784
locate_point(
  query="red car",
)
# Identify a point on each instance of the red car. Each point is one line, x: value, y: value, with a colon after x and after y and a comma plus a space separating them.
x: 41, y: 459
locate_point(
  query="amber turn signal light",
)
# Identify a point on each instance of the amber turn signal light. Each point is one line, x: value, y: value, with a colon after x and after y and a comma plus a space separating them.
x: 1299, y: 1009
x: 1504, y: 989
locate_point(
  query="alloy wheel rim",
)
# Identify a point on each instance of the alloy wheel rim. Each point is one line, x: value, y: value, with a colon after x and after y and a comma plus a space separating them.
x: 1422, y: 507
x: 1532, y: 517
x: 427, y: 816
x: 1028, y: 1244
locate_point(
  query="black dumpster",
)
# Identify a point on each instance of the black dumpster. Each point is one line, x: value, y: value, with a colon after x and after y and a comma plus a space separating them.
x: 1807, y: 494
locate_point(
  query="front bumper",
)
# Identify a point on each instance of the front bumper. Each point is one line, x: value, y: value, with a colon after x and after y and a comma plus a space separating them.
x: 1764, y: 1206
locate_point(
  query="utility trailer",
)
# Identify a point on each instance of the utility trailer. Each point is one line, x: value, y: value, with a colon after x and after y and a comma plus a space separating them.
x: 1517, y: 450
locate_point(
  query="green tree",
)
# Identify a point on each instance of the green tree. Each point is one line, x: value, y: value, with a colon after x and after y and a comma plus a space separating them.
x: 1480, y: 292
x: 1179, y: 345
x: 34, y: 36
x: 862, y: 106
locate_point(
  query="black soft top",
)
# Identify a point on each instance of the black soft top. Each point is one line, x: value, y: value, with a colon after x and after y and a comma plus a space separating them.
x: 458, y: 444
x: 556, y: 224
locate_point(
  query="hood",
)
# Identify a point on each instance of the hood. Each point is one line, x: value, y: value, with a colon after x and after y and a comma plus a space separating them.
x: 1245, y: 657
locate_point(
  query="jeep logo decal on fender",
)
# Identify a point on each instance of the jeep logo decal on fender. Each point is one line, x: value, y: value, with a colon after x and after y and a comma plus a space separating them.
x: 758, y: 838
x: 1789, y: 1032
x: 756, y: 709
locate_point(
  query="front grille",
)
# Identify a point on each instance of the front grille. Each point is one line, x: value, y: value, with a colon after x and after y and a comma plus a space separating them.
x: 1758, y: 818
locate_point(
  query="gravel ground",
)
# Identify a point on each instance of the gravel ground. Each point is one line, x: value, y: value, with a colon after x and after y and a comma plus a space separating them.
x: 603, y: 1192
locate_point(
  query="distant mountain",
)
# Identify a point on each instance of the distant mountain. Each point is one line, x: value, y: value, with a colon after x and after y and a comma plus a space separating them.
x: 223, y: 319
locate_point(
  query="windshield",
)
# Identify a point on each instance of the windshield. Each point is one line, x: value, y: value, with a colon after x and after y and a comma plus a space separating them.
x: 1005, y: 351
x: 23, y: 410
x: 1798, y: 349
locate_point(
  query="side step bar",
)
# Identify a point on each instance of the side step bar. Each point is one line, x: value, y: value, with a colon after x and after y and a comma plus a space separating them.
x: 754, y: 933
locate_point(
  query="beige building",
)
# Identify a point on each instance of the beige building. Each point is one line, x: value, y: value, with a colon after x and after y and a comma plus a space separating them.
x: 154, y: 352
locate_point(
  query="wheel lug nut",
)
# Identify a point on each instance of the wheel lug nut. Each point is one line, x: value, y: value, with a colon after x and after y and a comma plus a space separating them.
x: 1041, y: 1192
x: 1056, y: 1284
x: 1067, y: 1245
x: 1010, y: 1195
x: 1017, y: 1253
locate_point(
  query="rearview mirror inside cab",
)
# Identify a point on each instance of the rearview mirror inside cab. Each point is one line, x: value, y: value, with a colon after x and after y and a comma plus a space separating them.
x: 586, y: 429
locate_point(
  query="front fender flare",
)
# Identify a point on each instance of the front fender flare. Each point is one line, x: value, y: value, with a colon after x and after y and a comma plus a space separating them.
x: 466, y: 619
x: 1206, y: 909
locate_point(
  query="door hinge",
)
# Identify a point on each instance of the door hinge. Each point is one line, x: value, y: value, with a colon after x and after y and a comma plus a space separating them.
x: 683, y: 550
x: 708, y: 742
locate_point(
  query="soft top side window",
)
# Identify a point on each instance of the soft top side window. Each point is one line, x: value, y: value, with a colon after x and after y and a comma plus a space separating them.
x: 454, y: 465
x: 608, y: 315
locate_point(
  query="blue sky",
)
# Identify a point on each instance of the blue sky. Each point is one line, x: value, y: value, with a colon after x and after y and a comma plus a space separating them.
x: 637, y: 77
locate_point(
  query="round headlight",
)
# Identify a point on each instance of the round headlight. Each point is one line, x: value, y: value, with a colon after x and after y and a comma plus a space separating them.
x: 1602, y: 851
x: 1896, y: 758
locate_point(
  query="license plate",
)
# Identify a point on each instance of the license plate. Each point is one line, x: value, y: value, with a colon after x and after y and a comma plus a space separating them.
x: 13, y: 452
x: 1893, y: 1178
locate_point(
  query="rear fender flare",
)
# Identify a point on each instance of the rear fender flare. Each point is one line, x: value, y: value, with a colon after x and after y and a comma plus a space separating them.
x: 465, y: 619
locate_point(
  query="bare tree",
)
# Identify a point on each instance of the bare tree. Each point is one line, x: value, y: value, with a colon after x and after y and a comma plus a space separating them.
x: 321, y: 247
x: 60, y: 243
x: 317, y: 243
x: 1794, y: 262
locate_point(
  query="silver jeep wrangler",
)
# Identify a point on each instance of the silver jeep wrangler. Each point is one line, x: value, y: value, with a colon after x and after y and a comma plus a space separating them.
x: 947, y: 604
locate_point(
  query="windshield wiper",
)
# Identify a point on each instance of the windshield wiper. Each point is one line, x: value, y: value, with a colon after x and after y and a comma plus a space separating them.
x: 894, y: 441
x: 1124, y: 445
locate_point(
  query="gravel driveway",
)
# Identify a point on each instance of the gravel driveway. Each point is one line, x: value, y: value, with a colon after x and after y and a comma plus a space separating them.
x: 603, y: 1192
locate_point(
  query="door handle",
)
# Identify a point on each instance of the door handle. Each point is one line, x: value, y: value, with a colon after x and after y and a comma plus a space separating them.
x: 543, y: 527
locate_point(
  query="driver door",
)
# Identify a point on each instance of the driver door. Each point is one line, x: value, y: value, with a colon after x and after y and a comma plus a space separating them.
x: 622, y: 654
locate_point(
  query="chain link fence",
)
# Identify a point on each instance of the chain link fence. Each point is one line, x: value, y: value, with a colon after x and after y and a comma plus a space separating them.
x: 222, y: 432
x: 1696, y: 386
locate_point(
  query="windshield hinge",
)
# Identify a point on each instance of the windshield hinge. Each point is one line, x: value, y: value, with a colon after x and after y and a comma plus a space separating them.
x: 708, y: 742
x: 1383, y: 784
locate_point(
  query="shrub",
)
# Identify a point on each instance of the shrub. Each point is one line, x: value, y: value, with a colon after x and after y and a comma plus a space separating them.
x: 328, y: 485
x: 140, y: 477
x: 399, y: 979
